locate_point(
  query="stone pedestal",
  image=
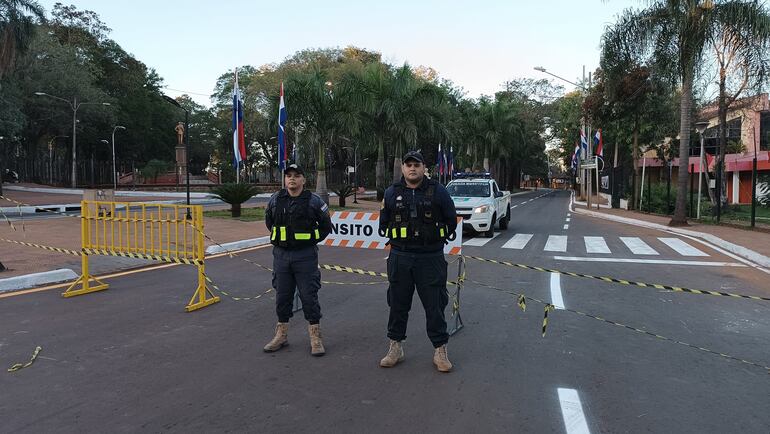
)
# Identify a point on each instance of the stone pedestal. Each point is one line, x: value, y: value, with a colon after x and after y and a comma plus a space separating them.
x: 181, y: 164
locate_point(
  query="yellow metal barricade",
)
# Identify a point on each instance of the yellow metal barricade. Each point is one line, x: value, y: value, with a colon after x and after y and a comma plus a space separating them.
x: 160, y: 232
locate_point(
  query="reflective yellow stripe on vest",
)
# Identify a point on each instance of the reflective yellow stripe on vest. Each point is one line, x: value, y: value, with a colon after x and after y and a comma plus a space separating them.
x: 272, y: 237
x: 403, y: 232
x: 441, y: 232
x: 301, y: 236
x: 317, y: 234
x: 283, y: 233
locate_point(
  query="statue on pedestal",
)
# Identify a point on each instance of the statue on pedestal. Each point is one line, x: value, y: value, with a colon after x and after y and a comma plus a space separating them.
x: 179, y: 133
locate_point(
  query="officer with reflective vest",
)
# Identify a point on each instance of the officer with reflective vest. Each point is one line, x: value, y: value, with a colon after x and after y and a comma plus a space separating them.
x: 297, y: 220
x: 418, y: 216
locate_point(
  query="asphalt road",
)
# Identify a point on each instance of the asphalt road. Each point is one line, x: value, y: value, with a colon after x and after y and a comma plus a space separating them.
x: 130, y: 359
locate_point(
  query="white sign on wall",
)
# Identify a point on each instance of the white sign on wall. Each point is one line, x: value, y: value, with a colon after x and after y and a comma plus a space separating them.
x: 359, y: 230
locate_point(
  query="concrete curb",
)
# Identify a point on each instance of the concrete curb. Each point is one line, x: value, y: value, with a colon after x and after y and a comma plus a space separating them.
x: 36, y: 279
x: 237, y: 245
x: 741, y: 251
x: 119, y: 193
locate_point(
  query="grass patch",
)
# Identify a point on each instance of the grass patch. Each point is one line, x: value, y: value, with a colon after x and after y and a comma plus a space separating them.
x: 247, y: 214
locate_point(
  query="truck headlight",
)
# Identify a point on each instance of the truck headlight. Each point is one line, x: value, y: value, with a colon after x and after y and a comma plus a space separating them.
x: 481, y: 209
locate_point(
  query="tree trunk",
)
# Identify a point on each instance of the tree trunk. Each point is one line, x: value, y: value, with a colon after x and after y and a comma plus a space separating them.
x: 397, y: 164
x: 720, y: 164
x: 380, y: 170
x: 680, y: 210
x: 320, y: 180
x: 235, y: 210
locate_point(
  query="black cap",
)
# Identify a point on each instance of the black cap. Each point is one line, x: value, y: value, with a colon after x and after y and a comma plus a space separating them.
x: 413, y: 155
x: 295, y: 168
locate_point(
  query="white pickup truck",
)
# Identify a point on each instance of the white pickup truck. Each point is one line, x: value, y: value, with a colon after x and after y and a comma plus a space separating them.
x: 480, y: 203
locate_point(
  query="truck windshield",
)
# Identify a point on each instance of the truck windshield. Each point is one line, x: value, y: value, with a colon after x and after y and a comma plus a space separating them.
x: 468, y: 190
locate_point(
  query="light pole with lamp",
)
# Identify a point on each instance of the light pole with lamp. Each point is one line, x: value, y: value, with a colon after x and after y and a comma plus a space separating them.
x: 186, y: 146
x: 701, y: 128
x: 355, y: 170
x: 587, y: 130
x: 74, y: 105
x: 114, y: 169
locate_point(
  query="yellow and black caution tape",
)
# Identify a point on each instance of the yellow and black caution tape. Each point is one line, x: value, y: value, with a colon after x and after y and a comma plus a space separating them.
x: 18, y: 366
x: 548, y: 308
x: 160, y: 258
x: 352, y: 270
x: 226, y: 294
x: 622, y: 281
x: 615, y: 323
x: 38, y: 246
x: 522, y: 302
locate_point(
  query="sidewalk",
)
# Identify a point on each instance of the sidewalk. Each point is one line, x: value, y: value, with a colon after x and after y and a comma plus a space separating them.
x: 749, y: 244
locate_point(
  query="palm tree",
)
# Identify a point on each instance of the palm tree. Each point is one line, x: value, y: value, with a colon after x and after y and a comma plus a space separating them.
x: 17, y: 26
x: 673, y: 34
x: 325, y: 111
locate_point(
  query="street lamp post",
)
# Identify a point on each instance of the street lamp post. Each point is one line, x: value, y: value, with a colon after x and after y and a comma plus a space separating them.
x: 355, y: 171
x: 186, y: 146
x: 74, y: 105
x: 701, y: 128
x: 114, y: 169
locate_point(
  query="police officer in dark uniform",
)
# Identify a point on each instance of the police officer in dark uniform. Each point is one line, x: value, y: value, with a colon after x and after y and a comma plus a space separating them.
x: 297, y: 220
x: 418, y: 216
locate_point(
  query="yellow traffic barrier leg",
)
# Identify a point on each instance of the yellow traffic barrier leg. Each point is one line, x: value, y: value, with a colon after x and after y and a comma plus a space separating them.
x: 203, y: 295
x: 85, y: 281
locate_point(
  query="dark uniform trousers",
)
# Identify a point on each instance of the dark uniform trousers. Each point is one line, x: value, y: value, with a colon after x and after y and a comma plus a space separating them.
x: 427, y: 272
x: 297, y: 268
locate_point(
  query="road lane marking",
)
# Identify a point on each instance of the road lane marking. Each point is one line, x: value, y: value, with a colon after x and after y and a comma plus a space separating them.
x: 637, y: 246
x: 556, y: 298
x: 567, y: 219
x: 566, y: 227
x: 596, y: 245
x: 572, y: 412
x: 479, y: 241
x: 681, y: 247
x: 518, y: 241
x: 649, y: 261
x: 556, y: 243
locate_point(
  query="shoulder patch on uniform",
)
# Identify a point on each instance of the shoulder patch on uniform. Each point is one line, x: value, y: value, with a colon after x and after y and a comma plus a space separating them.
x: 324, y: 207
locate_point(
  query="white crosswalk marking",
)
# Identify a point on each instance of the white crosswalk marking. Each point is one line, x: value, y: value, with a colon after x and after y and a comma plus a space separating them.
x: 556, y: 243
x: 596, y: 245
x: 517, y: 242
x: 681, y: 247
x: 637, y: 246
x: 479, y: 241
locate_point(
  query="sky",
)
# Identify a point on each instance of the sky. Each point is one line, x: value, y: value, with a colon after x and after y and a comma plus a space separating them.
x: 479, y: 45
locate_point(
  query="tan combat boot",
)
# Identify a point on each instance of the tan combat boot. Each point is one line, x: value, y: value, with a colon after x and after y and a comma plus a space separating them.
x: 395, y: 355
x: 441, y: 360
x: 316, y: 344
x: 280, y: 339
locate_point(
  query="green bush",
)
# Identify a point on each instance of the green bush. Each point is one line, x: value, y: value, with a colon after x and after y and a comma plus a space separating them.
x: 153, y: 168
x: 235, y: 195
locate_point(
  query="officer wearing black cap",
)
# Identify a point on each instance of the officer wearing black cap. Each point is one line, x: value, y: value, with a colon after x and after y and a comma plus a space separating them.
x: 297, y: 220
x: 418, y: 216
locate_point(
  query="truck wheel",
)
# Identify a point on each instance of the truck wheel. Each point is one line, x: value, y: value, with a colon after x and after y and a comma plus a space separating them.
x: 506, y: 219
x: 491, y: 232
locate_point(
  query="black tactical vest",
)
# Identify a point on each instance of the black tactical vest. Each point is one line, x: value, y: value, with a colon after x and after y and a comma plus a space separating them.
x: 294, y: 224
x: 416, y: 221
